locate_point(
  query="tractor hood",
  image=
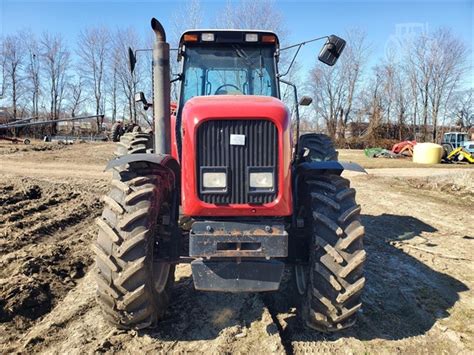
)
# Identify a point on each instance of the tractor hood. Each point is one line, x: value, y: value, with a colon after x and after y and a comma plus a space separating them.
x: 236, y: 106
x: 235, y: 133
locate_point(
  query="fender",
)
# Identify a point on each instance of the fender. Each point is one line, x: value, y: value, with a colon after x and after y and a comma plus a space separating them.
x: 331, y: 166
x: 165, y: 161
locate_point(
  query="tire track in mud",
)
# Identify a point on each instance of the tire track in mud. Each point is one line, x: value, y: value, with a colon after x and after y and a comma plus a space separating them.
x: 45, y: 230
x: 195, y: 322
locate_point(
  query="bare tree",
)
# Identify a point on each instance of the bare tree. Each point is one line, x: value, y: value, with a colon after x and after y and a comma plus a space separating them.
x: 435, y: 65
x: 247, y: 14
x: 325, y: 100
x: 56, y: 60
x: 3, y: 64
x: 401, y: 97
x: 32, y: 70
x: 375, y: 104
x: 462, y: 108
x: 13, y: 58
x: 76, y: 95
x: 420, y: 62
x: 335, y: 88
x: 114, y: 87
x: 448, y: 66
x: 352, y: 66
x: 93, y: 48
x: 128, y: 81
x: 188, y: 16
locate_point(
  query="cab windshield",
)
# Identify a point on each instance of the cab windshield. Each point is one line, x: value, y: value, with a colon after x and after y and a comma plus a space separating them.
x: 228, y: 70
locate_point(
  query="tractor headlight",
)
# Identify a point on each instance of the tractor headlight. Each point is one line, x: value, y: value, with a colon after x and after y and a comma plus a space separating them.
x: 261, y: 180
x: 214, y: 180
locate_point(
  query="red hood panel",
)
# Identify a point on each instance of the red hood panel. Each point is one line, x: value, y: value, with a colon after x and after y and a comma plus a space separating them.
x: 232, y: 105
x: 227, y: 107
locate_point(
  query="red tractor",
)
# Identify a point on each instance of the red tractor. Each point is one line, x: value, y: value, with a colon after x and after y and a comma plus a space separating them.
x: 224, y: 162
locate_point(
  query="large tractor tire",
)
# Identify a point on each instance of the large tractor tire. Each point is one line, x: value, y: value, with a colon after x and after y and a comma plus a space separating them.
x: 334, y: 278
x: 316, y: 147
x: 134, y: 143
x: 132, y: 288
x: 447, y: 149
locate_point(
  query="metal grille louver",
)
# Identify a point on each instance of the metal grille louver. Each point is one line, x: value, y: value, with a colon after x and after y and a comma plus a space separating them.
x: 260, y: 150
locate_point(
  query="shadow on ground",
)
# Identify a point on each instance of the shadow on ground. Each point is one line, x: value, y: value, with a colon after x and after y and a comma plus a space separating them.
x: 200, y: 315
x: 403, y: 297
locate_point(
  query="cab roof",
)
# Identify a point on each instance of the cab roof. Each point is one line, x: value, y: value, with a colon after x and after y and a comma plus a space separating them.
x: 229, y: 36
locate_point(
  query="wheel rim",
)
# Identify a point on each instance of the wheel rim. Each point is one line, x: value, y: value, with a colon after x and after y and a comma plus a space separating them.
x: 300, y: 277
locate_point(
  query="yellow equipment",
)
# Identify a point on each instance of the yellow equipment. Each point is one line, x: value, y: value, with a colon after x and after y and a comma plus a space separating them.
x: 460, y: 154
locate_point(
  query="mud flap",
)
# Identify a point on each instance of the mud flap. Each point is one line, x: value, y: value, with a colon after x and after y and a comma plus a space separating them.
x: 230, y: 276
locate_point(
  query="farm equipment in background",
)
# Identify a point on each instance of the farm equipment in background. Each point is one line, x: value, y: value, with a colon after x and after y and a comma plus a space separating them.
x: 459, y: 155
x: 457, y: 148
x: 404, y: 148
x: 454, y: 140
x: 224, y: 157
x: 15, y: 140
x: 32, y: 121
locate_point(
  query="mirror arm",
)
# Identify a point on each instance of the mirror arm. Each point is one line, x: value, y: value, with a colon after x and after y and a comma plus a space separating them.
x: 299, y: 45
x: 297, y: 113
x: 178, y: 77
x: 303, y: 43
x: 292, y: 62
x: 143, y: 50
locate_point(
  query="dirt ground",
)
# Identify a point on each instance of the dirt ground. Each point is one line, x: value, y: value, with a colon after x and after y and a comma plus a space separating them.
x: 419, y: 271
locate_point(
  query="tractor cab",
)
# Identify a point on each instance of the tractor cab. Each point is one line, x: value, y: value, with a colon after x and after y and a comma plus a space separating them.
x: 228, y: 62
x: 456, y: 139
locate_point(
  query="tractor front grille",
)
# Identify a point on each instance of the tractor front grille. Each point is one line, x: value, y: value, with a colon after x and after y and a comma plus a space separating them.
x: 214, y: 150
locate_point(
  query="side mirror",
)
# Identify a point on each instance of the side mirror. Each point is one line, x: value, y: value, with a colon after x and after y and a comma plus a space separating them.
x: 132, y: 60
x: 140, y: 97
x: 305, y: 101
x: 332, y: 50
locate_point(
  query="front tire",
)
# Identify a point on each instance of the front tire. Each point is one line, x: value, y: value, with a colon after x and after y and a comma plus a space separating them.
x: 447, y: 149
x: 132, y: 289
x: 335, y: 275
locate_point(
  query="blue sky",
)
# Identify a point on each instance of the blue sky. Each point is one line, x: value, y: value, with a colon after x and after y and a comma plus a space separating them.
x: 304, y: 19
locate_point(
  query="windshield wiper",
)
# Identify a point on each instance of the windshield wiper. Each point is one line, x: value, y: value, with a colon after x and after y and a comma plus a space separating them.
x: 242, y: 54
x: 249, y: 61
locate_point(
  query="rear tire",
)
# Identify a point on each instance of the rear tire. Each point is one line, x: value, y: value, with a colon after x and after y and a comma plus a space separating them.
x: 316, y: 147
x: 335, y: 275
x: 134, y: 143
x: 117, y: 131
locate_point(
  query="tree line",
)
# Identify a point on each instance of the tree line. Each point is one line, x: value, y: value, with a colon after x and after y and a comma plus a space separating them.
x: 417, y: 86
x: 43, y: 77
x: 422, y: 83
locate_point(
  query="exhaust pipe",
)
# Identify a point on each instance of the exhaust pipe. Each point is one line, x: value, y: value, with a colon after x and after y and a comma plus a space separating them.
x: 161, y: 89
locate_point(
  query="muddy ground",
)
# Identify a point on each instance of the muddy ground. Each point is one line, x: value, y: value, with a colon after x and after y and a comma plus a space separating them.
x: 419, y: 271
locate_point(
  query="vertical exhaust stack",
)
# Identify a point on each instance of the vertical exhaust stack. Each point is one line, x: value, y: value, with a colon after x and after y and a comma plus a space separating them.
x: 161, y: 89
